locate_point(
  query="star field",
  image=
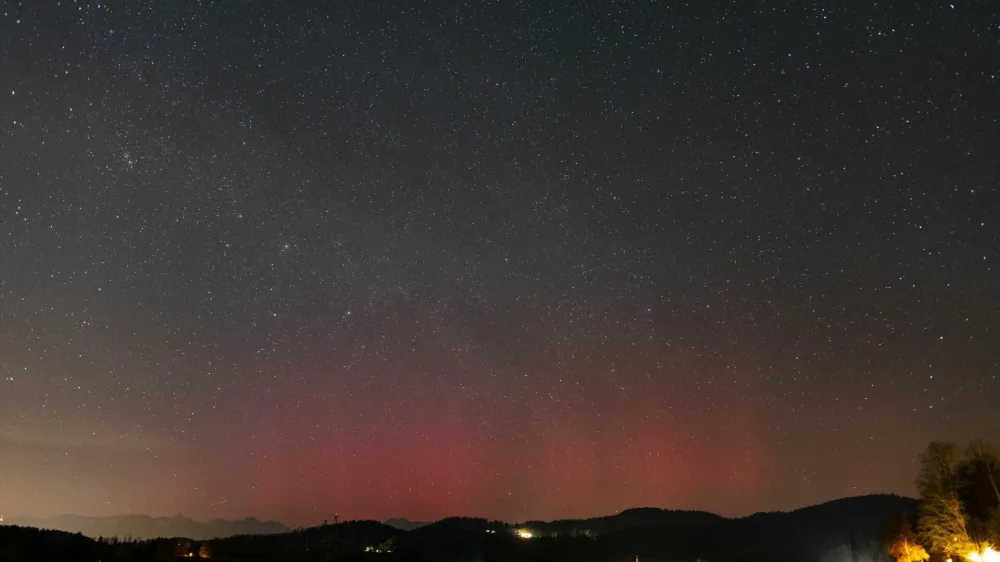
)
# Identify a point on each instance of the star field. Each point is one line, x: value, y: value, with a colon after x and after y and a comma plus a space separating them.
x: 516, y: 259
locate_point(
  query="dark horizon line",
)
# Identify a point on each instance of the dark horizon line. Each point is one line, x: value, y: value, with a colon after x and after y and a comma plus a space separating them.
x: 429, y: 522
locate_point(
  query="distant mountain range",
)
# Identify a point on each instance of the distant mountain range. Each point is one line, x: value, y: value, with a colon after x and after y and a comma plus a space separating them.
x: 406, y: 524
x: 146, y: 527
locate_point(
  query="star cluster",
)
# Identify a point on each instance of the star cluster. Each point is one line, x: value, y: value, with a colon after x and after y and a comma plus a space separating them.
x: 510, y: 259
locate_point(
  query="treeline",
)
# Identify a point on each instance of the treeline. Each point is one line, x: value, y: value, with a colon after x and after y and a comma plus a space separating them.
x: 28, y: 544
x: 958, y: 516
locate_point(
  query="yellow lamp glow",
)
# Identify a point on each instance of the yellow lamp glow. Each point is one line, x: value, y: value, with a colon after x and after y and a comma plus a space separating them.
x: 525, y: 534
x: 987, y: 555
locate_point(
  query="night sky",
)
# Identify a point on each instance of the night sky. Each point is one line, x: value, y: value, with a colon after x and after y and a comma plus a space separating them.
x: 505, y: 259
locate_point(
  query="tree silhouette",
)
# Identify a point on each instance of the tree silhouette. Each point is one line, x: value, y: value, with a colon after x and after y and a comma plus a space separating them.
x: 938, y: 473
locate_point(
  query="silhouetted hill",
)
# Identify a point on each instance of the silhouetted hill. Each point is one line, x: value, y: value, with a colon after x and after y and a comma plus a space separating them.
x: 146, y: 527
x: 313, y: 543
x: 636, y: 517
x: 849, y: 529
x: 459, y: 538
x: 831, y: 529
x: 25, y: 544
